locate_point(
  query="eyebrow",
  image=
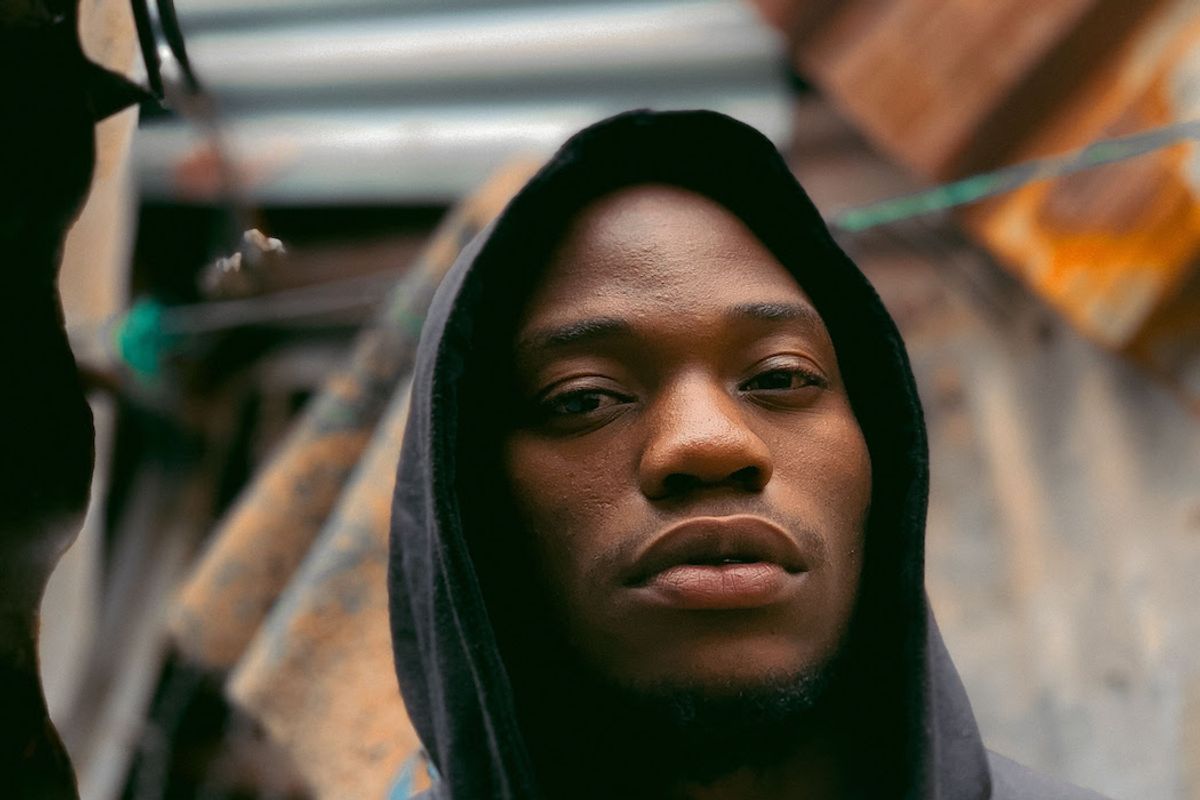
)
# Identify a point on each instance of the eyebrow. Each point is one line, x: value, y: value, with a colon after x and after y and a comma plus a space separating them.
x: 573, y: 333
x: 594, y: 328
x: 779, y: 312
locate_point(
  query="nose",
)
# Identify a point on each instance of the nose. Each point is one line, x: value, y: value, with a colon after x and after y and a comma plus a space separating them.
x: 699, y: 438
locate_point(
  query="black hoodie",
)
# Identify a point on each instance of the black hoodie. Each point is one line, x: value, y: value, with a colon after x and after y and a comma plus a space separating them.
x: 906, y: 709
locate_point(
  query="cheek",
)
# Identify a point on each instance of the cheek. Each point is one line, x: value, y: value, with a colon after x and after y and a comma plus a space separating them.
x: 849, y: 468
x: 564, y: 499
x: 828, y: 484
x: 836, y: 468
x: 847, y: 490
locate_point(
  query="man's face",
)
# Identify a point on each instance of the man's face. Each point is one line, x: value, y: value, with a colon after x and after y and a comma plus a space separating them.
x: 686, y: 460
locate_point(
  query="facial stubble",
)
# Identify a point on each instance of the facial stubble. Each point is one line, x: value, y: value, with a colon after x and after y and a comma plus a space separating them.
x: 697, y: 733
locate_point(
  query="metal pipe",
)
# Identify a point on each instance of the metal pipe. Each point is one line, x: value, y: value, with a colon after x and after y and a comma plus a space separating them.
x: 417, y: 103
x: 197, y: 15
x: 430, y: 154
x: 392, y: 56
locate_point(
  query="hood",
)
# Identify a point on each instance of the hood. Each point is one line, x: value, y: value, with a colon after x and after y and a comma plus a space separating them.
x: 911, y: 716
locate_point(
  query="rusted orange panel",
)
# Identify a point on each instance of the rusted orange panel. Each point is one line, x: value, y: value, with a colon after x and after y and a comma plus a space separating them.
x: 947, y: 86
x: 319, y: 673
x: 1112, y: 246
x: 259, y: 544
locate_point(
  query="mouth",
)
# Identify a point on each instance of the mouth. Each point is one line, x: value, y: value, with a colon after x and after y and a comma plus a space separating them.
x: 713, y: 563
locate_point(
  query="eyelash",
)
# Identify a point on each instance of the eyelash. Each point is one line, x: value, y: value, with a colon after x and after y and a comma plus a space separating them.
x: 552, y: 406
x: 549, y: 405
x: 807, y: 377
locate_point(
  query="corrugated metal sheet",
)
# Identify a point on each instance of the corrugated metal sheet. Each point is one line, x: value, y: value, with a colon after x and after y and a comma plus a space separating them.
x: 418, y: 103
x: 952, y: 88
x: 1063, y: 542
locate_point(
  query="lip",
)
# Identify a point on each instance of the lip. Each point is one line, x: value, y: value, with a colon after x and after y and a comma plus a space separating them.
x: 731, y: 562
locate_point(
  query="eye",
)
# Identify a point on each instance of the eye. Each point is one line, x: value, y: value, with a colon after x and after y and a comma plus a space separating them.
x: 579, y: 403
x: 783, y: 379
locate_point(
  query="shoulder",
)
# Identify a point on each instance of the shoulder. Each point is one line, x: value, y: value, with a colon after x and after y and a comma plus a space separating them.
x: 1012, y: 781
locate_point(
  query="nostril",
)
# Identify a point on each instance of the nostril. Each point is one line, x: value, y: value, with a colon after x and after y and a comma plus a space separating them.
x: 679, y: 483
x: 748, y: 477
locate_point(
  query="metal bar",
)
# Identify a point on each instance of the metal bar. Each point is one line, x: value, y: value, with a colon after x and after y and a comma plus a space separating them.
x: 200, y: 15
x: 429, y: 154
x: 498, y: 47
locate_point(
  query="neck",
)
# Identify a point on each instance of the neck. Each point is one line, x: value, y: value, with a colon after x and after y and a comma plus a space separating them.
x: 803, y: 764
x: 811, y: 771
x: 591, y: 740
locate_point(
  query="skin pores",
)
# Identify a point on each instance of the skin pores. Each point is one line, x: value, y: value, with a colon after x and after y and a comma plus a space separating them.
x: 682, y: 414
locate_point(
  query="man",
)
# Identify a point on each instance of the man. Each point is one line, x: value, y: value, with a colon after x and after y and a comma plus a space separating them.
x: 51, y: 97
x: 658, y: 525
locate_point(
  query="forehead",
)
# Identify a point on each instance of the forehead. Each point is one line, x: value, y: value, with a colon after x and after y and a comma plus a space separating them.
x: 651, y: 247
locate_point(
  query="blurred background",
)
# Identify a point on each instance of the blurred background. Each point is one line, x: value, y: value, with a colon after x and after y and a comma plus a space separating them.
x: 1020, y: 180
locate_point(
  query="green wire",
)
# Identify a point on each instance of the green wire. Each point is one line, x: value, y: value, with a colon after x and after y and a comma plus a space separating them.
x: 987, y: 184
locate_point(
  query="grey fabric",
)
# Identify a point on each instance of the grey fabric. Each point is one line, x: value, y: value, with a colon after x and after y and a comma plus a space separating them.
x: 1012, y: 781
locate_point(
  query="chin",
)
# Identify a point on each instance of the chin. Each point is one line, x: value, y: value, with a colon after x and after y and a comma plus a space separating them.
x: 718, y: 711
x: 730, y: 669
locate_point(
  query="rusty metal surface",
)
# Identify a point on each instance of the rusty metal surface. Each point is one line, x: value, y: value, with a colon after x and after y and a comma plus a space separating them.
x: 947, y: 87
x: 262, y: 540
x: 319, y: 673
x: 1063, y: 552
x: 1063, y: 542
x: 1113, y: 248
